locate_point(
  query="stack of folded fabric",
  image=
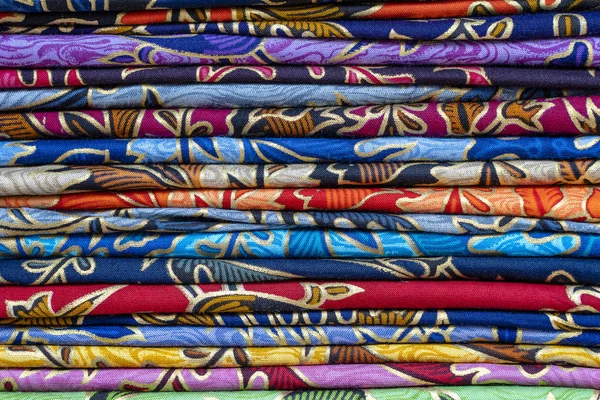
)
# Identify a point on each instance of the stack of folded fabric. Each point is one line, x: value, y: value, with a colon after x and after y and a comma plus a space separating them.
x: 300, y: 199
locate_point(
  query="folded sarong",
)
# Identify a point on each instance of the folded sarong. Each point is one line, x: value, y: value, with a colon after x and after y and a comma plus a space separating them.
x: 65, y: 357
x: 302, y: 243
x: 79, y: 300
x: 575, y: 203
x: 59, y: 179
x: 460, y: 392
x: 520, y: 27
x: 557, y: 78
x: 260, y: 95
x: 195, y: 336
x: 364, y: 317
x: 34, y: 221
x: 50, y: 51
x: 224, y: 150
x: 299, y: 10
x: 570, y: 116
x: 77, y: 270
x: 350, y: 376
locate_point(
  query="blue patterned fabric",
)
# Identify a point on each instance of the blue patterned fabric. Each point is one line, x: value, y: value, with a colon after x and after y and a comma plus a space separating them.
x: 187, y: 336
x: 224, y: 150
x: 303, y: 243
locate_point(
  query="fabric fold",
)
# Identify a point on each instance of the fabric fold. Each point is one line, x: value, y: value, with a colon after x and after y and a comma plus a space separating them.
x: 351, y: 376
x: 573, y: 203
x: 50, y: 51
x: 259, y: 95
x: 66, y: 357
x: 519, y: 27
x: 364, y: 317
x: 569, y: 116
x: 79, y: 300
x: 463, y: 392
x: 302, y: 243
x: 195, y: 336
x: 58, y: 179
x: 457, y: 76
x: 78, y: 270
x: 224, y: 150
x: 101, y: 12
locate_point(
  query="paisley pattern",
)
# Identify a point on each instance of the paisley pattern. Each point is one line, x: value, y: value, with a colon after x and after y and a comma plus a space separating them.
x: 258, y: 95
x: 457, y: 393
x: 48, y: 51
x: 549, y: 78
x: 302, y: 377
x: 223, y: 150
x: 188, y: 336
x: 65, y: 357
x: 76, y: 270
x: 39, y: 302
x: 569, y: 116
x: 575, y: 203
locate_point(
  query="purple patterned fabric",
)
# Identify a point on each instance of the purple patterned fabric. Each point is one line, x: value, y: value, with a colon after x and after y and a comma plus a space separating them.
x: 299, y: 377
x: 109, y: 50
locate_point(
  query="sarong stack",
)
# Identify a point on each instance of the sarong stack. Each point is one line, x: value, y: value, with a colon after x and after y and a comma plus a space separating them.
x: 299, y: 199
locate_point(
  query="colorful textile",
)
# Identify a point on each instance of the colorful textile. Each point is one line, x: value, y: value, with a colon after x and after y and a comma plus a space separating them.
x: 303, y: 10
x: 520, y: 27
x: 457, y: 393
x: 302, y: 243
x: 44, y: 356
x: 575, y: 203
x: 48, y: 51
x: 258, y: 336
x: 364, y: 317
x: 223, y: 150
x: 555, y: 78
x: 33, y: 221
x: 570, y: 116
x: 49, y: 180
x: 258, y: 95
x: 78, y: 300
x: 75, y: 270
x: 348, y: 376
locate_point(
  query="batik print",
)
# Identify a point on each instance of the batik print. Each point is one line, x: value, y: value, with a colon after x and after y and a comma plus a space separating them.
x: 48, y: 51
x: 457, y: 393
x: 188, y: 336
x: 308, y: 10
x: 521, y: 27
x: 50, y: 180
x: 397, y: 317
x: 78, y: 300
x: 45, y: 356
x: 77, y: 270
x: 572, y: 203
x: 258, y: 95
x: 302, y: 243
x: 285, y: 74
x: 570, y: 116
x: 33, y: 221
x: 349, y: 376
x: 223, y: 150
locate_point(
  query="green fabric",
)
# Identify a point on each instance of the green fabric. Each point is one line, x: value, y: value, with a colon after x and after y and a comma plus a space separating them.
x: 436, y: 393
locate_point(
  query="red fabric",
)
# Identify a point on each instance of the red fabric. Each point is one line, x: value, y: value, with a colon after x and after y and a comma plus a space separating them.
x: 71, y: 300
